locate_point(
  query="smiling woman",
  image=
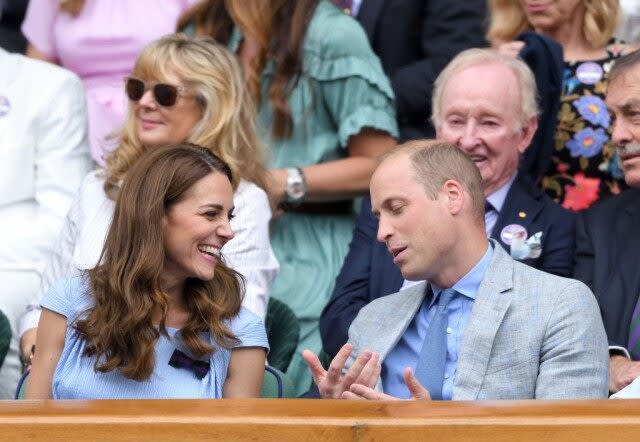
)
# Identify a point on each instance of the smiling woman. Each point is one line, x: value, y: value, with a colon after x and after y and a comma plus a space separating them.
x: 162, y: 304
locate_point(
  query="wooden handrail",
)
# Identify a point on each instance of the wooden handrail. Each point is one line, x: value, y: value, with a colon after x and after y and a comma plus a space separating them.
x: 268, y: 419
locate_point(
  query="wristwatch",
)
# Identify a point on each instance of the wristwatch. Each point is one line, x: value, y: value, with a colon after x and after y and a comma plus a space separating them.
x: 296, y: 185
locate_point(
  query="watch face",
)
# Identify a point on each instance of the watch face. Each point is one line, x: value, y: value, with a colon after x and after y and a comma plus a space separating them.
x: 296, y: 190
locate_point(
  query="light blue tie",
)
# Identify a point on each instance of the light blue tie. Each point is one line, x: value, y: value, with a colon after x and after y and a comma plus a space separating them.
x: 430, y: 367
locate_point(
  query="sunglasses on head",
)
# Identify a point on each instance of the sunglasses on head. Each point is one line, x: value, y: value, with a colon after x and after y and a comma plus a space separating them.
x: 165, y: 94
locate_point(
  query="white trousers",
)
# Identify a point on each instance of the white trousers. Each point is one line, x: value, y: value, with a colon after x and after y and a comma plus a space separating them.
x: 17, y: 290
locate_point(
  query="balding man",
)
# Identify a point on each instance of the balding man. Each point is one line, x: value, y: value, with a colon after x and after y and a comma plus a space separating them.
x: 480, y: 325
x: 485, y: 104
x: 608, y: 242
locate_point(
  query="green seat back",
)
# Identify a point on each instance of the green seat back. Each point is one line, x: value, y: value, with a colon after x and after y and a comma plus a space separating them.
x: 283, y: 332
x: 5, y: 336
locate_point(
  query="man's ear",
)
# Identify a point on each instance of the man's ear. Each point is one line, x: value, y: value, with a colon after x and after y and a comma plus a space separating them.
x: 527, y: 132
x: 454, y: 194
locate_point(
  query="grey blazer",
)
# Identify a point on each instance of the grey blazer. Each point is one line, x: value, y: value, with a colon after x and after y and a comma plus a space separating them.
x: 531, y: 335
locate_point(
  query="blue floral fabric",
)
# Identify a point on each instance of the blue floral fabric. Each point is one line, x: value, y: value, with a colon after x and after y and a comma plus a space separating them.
x: 584, y: 166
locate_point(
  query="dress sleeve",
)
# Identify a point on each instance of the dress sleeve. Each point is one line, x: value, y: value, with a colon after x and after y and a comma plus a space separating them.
x: 249, y: 329
x: 353, y: 85
x: 65, y: 297
x: 39, y: 24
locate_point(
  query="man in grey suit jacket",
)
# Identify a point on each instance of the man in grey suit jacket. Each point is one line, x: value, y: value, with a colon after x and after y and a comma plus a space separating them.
x: 512, y: 332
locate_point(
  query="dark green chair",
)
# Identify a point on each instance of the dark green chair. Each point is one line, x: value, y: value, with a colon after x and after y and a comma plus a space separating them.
x: 276, y: 384
x: 283, y: 332
x: 5, y: 336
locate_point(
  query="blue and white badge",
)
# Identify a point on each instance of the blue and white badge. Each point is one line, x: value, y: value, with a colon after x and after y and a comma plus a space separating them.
x: 5, y: 106
x: 589, y: 72
x: 511, y: 232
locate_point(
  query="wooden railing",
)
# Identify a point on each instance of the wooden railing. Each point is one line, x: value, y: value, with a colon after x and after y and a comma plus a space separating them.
x: 262, y: 419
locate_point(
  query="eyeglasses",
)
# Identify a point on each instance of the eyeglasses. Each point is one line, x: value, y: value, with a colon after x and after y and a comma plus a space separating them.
x: 165, y: 94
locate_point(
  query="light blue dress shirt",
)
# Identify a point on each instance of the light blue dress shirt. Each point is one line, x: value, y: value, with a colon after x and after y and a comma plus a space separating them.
x: 407, y: 350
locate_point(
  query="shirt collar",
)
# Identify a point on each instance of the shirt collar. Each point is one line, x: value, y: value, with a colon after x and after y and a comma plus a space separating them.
x: 497, y: 198
x: 468, y: 285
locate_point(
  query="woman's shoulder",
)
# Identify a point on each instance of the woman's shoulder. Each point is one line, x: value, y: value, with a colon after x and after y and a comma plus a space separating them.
x: 249, y: 329
x: 332, y: 33
x: 68, y: 296
x: 93, y: 182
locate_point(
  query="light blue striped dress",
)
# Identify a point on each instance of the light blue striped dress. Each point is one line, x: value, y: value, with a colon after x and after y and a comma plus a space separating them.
x: 75, y: 377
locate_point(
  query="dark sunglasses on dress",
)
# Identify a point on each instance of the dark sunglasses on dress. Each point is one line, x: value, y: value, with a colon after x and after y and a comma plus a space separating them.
x: 165, y: 94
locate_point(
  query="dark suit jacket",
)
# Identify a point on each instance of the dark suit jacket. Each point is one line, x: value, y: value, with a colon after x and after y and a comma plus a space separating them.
x: 415, y: 39
x: 368, y: 271
x: 544, y: 56
x: 607, y: 256
x: 11, y: 16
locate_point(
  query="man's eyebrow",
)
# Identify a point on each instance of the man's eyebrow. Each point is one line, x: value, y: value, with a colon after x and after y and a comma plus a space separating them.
x: 630, y: 104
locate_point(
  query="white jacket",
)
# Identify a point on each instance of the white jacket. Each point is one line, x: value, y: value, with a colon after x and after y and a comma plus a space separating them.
x: 43, y: 156
x: 86, y: 226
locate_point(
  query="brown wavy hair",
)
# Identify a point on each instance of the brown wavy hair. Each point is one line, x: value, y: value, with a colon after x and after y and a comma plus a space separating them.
x: 127, y: 285
x: 279, y: 28
x: 227, y: 126
x: 508, y: 19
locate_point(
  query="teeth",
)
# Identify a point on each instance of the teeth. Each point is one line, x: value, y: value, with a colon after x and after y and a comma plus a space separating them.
x: 210, y: 250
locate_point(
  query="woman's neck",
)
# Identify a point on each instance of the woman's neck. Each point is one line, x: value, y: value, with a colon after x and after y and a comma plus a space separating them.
x: 574, y: 44
x: 177, y: 314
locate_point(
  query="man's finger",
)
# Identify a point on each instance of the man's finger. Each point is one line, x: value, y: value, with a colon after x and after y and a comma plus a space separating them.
x: 336, y: 366
x: 356, y: 369
x: 368, y: 375
x: 416, y: 389
x: 351, y: 396
x: 317, y: 371
x: 369, y: 393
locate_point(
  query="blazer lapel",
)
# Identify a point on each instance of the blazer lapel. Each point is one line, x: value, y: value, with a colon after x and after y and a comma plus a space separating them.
x: 626, y: 251
x: 521, y: 206
x: 392, y: 327
x: 368, y: 15
x: 395, y: 324
x: 491, y: 304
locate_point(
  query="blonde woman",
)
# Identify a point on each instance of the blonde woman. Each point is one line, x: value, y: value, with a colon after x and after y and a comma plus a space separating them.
x: 584, y: 166
x: 99, y: 40
x: 181, y: 89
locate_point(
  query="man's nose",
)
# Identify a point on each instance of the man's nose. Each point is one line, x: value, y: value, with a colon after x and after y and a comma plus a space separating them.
x: 468, y: 136
x: 384, y: 230
x: 621, y: 135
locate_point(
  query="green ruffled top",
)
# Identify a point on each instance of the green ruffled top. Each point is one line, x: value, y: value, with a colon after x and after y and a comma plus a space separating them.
x: 342, y: 90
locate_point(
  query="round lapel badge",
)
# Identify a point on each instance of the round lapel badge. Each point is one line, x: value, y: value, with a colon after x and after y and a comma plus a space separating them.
x: 512, y: 231
x: 5, y: 106
x: 589, y: 72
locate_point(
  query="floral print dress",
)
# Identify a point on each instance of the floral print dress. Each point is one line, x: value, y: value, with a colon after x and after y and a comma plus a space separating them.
x: 584, y: 165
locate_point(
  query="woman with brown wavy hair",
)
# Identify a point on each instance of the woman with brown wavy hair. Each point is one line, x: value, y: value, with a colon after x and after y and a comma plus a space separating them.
x: 326, y: 113
x: 181, y: 89
x: 161, y: 316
